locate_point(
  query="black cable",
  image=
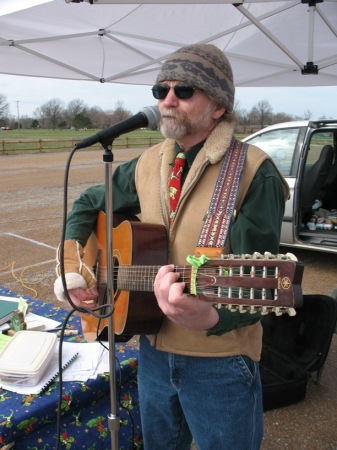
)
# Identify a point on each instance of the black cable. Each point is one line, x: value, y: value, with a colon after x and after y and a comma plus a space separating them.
x: 82, y: 310
x: 58, y: 426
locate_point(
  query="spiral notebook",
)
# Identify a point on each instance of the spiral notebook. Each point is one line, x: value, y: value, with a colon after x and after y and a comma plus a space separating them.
x: 69, y: 354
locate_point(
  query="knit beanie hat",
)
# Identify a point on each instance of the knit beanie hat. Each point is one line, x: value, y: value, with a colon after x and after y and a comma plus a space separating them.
x: 204, y: 66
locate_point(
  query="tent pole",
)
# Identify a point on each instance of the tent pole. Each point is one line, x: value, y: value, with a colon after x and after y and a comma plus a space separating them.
x: 312, y: 9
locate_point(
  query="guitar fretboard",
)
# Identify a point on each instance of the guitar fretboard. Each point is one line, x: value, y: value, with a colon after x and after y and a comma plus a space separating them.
x: 136, y: 278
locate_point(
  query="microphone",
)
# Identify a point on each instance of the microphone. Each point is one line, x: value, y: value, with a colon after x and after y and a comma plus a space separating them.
x: 148, y: 117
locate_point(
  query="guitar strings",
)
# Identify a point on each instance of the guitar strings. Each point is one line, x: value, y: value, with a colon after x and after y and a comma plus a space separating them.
x: 149, y: 272
x: 141, y: 278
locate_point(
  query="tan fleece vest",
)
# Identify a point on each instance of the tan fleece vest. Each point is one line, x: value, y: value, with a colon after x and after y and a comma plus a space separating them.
x: 152, y: 177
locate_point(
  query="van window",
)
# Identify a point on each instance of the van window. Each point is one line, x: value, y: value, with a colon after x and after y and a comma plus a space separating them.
x: 317, y: 142
x: 320, y: 173
x: 280, y: 146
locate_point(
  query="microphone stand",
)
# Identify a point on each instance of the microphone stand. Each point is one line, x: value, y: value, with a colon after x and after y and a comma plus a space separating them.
x: 113, y: 420
x: 149, y: 117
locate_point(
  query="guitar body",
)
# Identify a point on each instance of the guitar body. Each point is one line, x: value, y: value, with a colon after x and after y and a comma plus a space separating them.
x: 134, y: 243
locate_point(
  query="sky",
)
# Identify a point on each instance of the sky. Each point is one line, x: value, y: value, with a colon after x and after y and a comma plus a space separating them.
x: 26, y: 94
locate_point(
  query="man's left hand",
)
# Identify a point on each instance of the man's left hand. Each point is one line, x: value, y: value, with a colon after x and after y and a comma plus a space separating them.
x: 189, y: 311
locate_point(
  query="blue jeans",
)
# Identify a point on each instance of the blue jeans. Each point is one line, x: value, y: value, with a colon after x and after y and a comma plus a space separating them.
x: 218, y: 401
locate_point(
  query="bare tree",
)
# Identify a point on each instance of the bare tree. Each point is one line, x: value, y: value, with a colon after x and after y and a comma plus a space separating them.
x: 253, y: 117
x: 120, y: 113
x: 263, y: 113
x: 307, y: 114
x: 282, y: 117
x: 4, y: 109
x: 51, y: 112
x: 243, y: 120
x: 97, y: 117
x: 76, y: 108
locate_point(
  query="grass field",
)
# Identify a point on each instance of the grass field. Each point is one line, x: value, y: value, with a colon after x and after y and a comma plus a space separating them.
x: 71, y: 134
x: 64, y: 134
x: 44, y: 140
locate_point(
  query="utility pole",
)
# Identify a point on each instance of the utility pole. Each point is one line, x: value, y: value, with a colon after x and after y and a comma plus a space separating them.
x: 17, y: 108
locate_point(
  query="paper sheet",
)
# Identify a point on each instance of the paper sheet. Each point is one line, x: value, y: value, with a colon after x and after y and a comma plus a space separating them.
x: 92, y: 359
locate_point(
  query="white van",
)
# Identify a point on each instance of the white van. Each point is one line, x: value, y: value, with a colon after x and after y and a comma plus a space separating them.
x: 306, y: 155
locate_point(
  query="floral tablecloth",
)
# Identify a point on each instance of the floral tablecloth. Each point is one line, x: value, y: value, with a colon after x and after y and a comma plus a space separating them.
x: 30, y: 421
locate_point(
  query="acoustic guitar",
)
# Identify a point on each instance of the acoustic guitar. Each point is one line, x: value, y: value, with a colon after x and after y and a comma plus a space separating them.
x: 249, y: 283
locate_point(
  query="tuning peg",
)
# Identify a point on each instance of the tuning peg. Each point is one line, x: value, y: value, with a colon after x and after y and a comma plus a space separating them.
x: 257, y: 255
x: 252, y: 310
x: 231, y: 308
x: 269, y: 255
x: 264, y: 310
x: 291, y: 312
x: 291, y: 256
x: 277, y: 311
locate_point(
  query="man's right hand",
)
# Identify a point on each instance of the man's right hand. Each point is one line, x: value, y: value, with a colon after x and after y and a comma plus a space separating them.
x: 84, y: 297
x: 80, y: 279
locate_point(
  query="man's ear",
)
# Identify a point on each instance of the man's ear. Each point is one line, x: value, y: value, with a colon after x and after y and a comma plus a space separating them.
x: 219, y: 112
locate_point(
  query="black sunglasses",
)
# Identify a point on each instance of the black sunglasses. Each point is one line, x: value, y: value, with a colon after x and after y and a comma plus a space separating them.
x: 181, y: 91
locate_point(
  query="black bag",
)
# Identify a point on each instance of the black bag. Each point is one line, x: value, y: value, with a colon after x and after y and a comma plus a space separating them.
x: 294, y: 348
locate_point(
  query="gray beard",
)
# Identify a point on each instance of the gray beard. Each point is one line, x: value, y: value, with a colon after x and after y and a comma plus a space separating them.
x: 183, y: 126
x: 173, y: 131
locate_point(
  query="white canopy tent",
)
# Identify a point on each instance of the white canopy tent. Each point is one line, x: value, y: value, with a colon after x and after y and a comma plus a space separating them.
x: 269, y: 43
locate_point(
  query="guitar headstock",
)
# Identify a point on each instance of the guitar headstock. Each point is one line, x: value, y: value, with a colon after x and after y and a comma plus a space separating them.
x: 251, y: 283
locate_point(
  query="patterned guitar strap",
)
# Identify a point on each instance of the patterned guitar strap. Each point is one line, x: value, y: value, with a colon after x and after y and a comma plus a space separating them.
x: 216, y: 227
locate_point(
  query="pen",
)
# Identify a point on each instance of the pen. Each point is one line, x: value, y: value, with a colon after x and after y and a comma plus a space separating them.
x: 67, y: 333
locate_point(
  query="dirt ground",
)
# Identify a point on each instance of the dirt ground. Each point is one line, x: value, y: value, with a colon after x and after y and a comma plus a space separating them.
x: 31, y: 211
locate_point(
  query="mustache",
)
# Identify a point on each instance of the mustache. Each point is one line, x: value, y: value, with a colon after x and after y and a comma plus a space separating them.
x: 167, y: 112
